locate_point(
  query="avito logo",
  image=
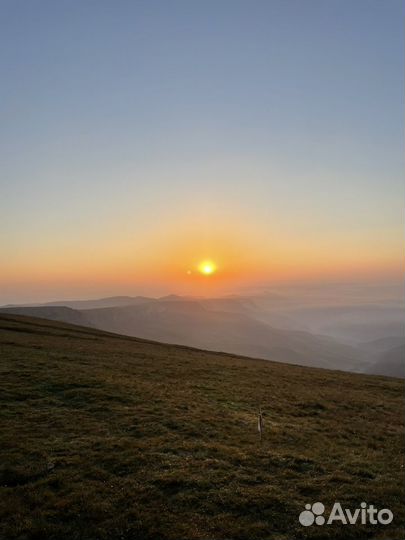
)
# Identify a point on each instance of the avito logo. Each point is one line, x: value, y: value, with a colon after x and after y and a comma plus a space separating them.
x: 313, y: 513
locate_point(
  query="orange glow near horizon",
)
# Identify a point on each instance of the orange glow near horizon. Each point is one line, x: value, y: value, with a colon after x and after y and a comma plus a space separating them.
x: 194, y: 256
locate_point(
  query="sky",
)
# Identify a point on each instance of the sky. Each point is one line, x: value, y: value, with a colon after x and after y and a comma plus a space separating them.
x: 140, y: 138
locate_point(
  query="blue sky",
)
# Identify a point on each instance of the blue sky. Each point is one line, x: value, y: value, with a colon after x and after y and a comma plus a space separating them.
x: 287, y: 115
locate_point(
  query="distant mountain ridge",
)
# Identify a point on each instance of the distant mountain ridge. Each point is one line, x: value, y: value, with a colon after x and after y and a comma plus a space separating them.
x: 110, y: 301
x: 54, y: 313
x: 192, y: 323
x: 241, y: 325
x: 391, y: 363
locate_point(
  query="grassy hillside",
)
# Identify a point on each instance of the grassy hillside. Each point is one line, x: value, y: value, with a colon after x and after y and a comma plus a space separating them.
x: 110, y: 437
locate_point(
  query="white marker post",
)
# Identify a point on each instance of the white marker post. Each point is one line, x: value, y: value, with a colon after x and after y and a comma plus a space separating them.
x: 260, y: 423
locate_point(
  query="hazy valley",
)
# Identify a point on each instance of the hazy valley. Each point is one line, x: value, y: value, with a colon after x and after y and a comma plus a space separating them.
x: 319, y: 331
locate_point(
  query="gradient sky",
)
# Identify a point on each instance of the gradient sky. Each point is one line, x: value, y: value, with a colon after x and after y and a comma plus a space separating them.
x: 139, y: 138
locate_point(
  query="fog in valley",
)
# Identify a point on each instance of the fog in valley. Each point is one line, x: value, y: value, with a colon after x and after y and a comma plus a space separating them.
x: 347, y: 327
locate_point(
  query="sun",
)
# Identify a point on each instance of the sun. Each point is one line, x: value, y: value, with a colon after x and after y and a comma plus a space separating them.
x: 207, y: 268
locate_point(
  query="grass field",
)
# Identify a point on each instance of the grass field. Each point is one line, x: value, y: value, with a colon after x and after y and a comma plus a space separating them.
x: 109, y: 437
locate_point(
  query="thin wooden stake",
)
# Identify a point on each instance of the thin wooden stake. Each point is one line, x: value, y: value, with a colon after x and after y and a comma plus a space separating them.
x: 260, y: 423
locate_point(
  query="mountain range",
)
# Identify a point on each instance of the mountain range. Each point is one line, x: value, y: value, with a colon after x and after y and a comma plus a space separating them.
x: 268, y: 327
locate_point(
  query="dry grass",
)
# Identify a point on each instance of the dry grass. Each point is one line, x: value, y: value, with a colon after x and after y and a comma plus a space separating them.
x: 106, y: 437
